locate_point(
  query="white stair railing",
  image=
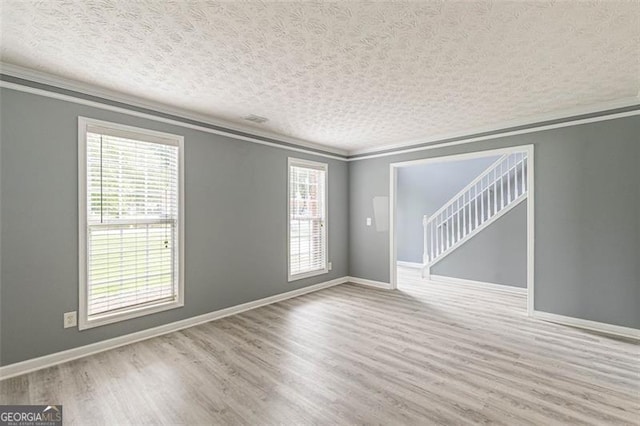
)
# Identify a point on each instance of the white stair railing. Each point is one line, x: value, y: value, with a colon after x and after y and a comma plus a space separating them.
x: 495, y: 191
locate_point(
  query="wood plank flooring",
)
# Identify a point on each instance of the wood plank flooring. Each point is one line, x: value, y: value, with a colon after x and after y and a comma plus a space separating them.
x: 425, y: 354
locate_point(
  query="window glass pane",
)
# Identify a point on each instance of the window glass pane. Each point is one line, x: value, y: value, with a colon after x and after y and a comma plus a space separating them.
x: 130, y: 265
x: 132, y: 223
x: 307, y: 234
x: 130, y: 179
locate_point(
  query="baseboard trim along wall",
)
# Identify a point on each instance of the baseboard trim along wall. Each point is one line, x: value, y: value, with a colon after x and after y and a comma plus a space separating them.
x: 414, y: 265
x: 479, y: 284
x: 39, y: 363
x: 370, y: 283
x: 600, y: 327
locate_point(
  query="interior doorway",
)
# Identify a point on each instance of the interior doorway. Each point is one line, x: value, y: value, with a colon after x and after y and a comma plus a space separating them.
x: 465, y: 219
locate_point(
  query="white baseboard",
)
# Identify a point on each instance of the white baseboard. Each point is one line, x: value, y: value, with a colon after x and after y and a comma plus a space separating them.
x: 479, y: 284
x: 616, y: 330
x: 370, y: 283
x: 45, y: 361
x: 414, y: 265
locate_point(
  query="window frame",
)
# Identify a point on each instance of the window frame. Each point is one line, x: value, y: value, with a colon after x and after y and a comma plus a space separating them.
x: 299, y: 162
x: 84, y: 322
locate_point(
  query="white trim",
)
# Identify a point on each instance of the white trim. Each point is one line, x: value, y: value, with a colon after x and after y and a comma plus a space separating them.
x: 393, y: 178
x: 370, y: 283
x: 112, y: 95
x: 464, y: 156
x: 340, y: 154
x: 130, y: 132
x: 412, y: 265
x: 507, y: 124
x: 393, y: 243
x: 470, y: 184
x: 479, y: 284
x: 301, y: 276
x: 34, y: 364
x: 151, y: 135
x: 531, y: 235
x: 82, y: 222
x: 600, y: 327
x: 481, y: 227
x: 99, y: 105
x: 292, y: 161
x: 437, y: 145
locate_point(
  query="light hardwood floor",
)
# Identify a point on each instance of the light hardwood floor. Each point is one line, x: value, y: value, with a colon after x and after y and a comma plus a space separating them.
x: 425, y: 354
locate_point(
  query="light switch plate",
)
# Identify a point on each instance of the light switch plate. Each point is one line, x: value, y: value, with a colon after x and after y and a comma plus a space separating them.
x: 368, y: 221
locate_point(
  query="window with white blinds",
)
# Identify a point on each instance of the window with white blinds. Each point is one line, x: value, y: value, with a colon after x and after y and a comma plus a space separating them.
x: 307, y: 218
x: 131, y: 217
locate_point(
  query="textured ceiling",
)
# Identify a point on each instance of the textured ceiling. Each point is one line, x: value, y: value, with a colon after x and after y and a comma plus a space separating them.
x: 348, y: 75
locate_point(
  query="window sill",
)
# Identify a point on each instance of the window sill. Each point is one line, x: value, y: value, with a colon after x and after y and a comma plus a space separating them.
x: 308, y: 274
x: 110, y: 318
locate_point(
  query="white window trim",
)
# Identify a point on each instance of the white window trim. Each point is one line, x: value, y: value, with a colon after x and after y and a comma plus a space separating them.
x: 108, y: 318
x: 292, y: 161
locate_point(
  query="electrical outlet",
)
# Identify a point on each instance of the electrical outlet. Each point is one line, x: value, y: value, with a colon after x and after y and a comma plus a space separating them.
x: 70, y: 319
x: 330, y: 266
x: 368, y: 221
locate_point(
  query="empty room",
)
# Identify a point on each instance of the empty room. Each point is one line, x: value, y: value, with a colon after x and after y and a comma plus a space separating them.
x: 249, y: 212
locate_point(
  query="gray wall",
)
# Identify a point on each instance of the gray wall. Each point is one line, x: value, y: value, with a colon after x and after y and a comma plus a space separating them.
x: 235, y: 242
x: 587, y: 213
x: 423, y: 189
x: 587, y: 222
x: 497, y: 254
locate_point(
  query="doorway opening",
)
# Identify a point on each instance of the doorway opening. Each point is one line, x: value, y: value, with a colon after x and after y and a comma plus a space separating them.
x: 464, y: 219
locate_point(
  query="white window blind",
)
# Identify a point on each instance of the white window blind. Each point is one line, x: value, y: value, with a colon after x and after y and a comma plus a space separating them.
x: 132, y: 221
x: 307, y: 218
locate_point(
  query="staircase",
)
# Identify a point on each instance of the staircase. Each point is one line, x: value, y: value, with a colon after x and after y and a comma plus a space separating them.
x: 498, y: 189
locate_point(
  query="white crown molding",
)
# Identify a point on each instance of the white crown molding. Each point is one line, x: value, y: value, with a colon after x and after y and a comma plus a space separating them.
x: 23, y: 367
x: 152, y: 117
x: 567, y: 114
x: 534, y: 129
x: 464, y: 137
x: 111, y: 95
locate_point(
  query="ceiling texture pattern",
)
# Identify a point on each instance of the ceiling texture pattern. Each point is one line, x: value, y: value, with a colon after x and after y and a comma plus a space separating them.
x: 349, y: 75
